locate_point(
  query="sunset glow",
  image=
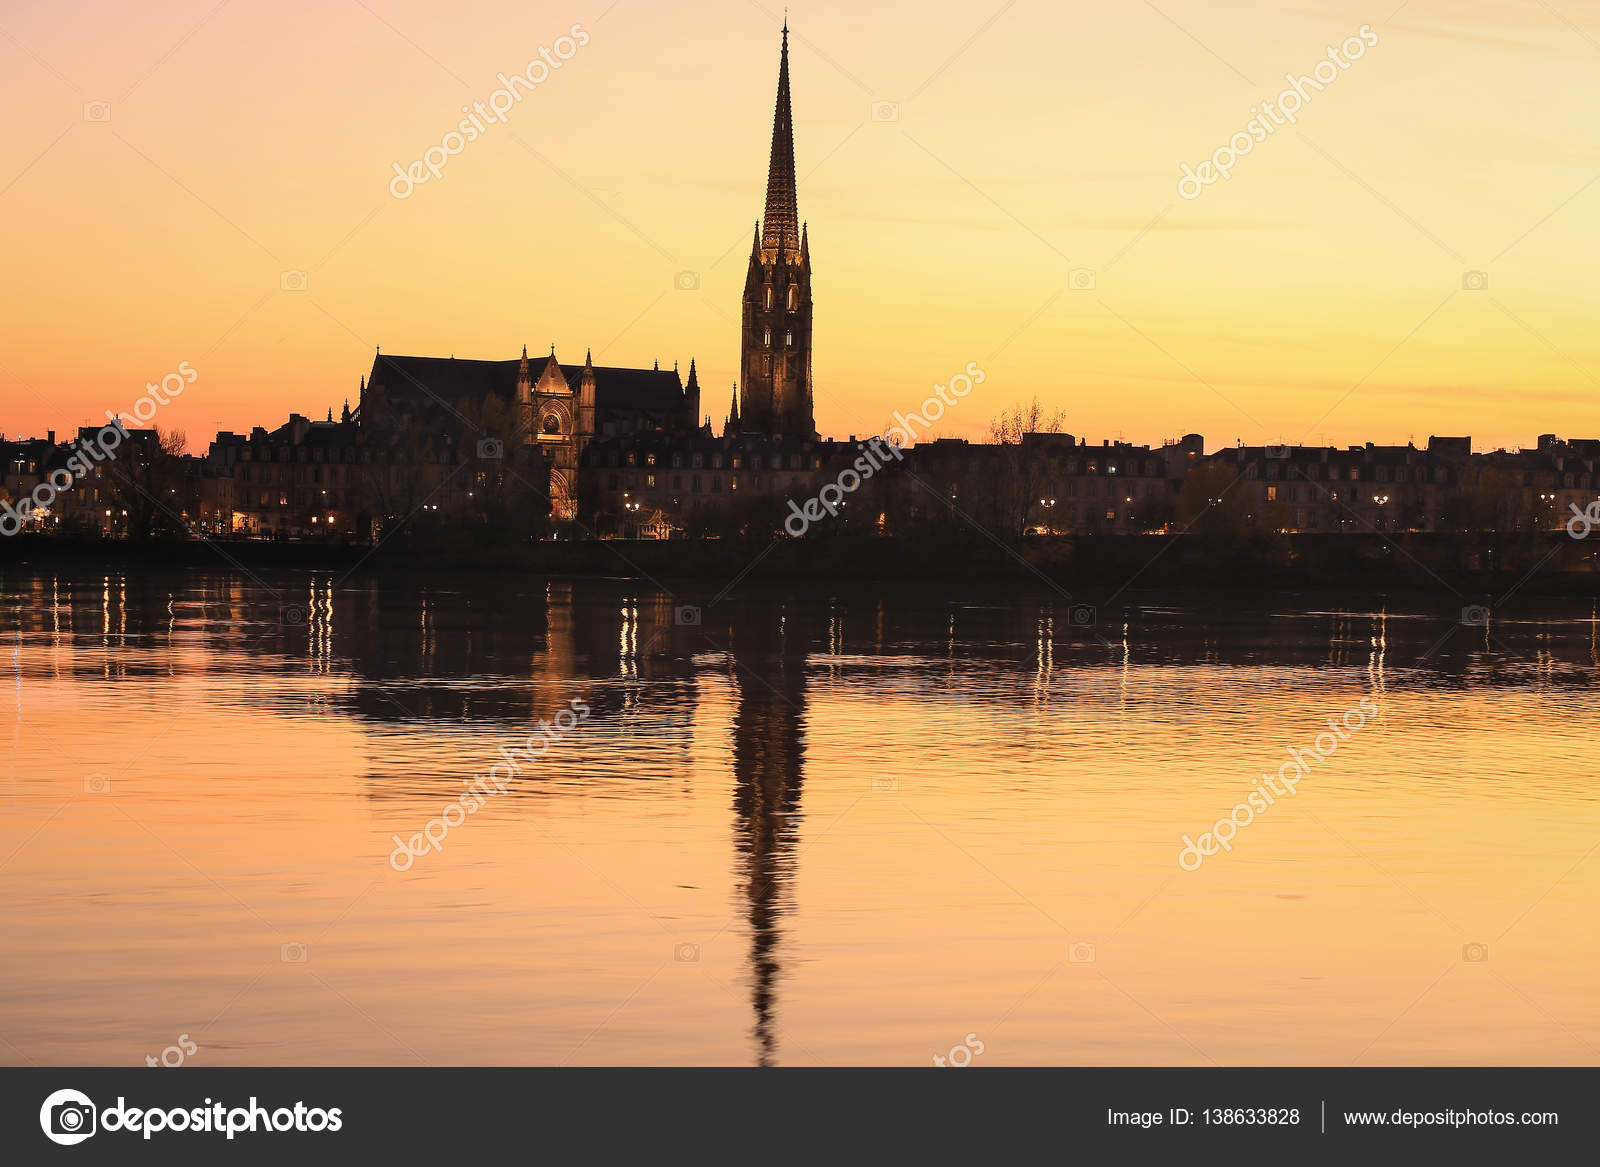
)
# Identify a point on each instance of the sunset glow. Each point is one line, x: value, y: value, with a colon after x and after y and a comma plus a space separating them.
x: 957, y: 166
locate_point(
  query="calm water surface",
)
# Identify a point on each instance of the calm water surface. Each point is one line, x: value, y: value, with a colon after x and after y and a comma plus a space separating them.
x: 814, y: 829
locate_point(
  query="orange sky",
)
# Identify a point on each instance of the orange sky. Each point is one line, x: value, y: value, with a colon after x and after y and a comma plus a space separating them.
x: 248, y: 139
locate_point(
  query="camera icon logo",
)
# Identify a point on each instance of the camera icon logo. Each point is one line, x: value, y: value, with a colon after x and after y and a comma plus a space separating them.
x: 491, y: 449
x: 686, y: 953
x: 885, y: 111
x: 293, y: 953
x: 1475, y: 616
x: 1279, y: 452
x: 97, y: 111
x: 1081, y: 279
x: 1081, y: 953
x: 97, y: 784
x: 67, y: 1117
x: 1082, y: 616
x: 1474, y: 281
x: 686, y: 281
x: 292, y: 615
x: 292, y: 281
x: 886, y: 785
x: 687, y: 616
x: 1474, y: 953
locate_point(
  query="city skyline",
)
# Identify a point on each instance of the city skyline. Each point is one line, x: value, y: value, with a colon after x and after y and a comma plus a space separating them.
x: 538, y: 538
x: 1324, y: 293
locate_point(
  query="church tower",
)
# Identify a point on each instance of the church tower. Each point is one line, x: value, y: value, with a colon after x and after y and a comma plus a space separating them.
x: 775, y: 338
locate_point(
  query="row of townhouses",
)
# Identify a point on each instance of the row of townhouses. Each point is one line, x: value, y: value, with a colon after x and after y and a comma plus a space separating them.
x: 639, y: 474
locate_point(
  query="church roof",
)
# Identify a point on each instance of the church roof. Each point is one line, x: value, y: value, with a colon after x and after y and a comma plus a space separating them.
x: 445, y: 377
x: 617, y: 389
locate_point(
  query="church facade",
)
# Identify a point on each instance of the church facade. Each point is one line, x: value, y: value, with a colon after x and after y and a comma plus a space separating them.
x: 442, y: 432
x: 445, y: 429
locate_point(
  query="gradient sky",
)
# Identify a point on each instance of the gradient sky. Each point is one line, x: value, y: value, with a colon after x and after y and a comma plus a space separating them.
x: 1316, y: 295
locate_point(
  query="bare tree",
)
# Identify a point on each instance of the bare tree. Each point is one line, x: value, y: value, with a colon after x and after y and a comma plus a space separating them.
x: 1022, y: 465
x: 145, y: 477
x: 1008, y: 427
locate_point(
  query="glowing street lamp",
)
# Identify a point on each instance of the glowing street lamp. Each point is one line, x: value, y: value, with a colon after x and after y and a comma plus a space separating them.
x: 1049, y: 506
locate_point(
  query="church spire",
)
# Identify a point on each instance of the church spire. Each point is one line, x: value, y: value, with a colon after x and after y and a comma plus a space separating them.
x: 783, y: 214
x: 774, y: 395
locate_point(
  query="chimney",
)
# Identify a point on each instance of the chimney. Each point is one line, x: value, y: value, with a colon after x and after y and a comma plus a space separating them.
x: 51, y: 437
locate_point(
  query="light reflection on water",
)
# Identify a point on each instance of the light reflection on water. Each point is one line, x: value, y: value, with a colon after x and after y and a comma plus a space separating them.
x: 816, y: 828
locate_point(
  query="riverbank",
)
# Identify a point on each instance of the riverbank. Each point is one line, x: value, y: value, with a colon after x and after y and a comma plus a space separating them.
x: 1543, y: 563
